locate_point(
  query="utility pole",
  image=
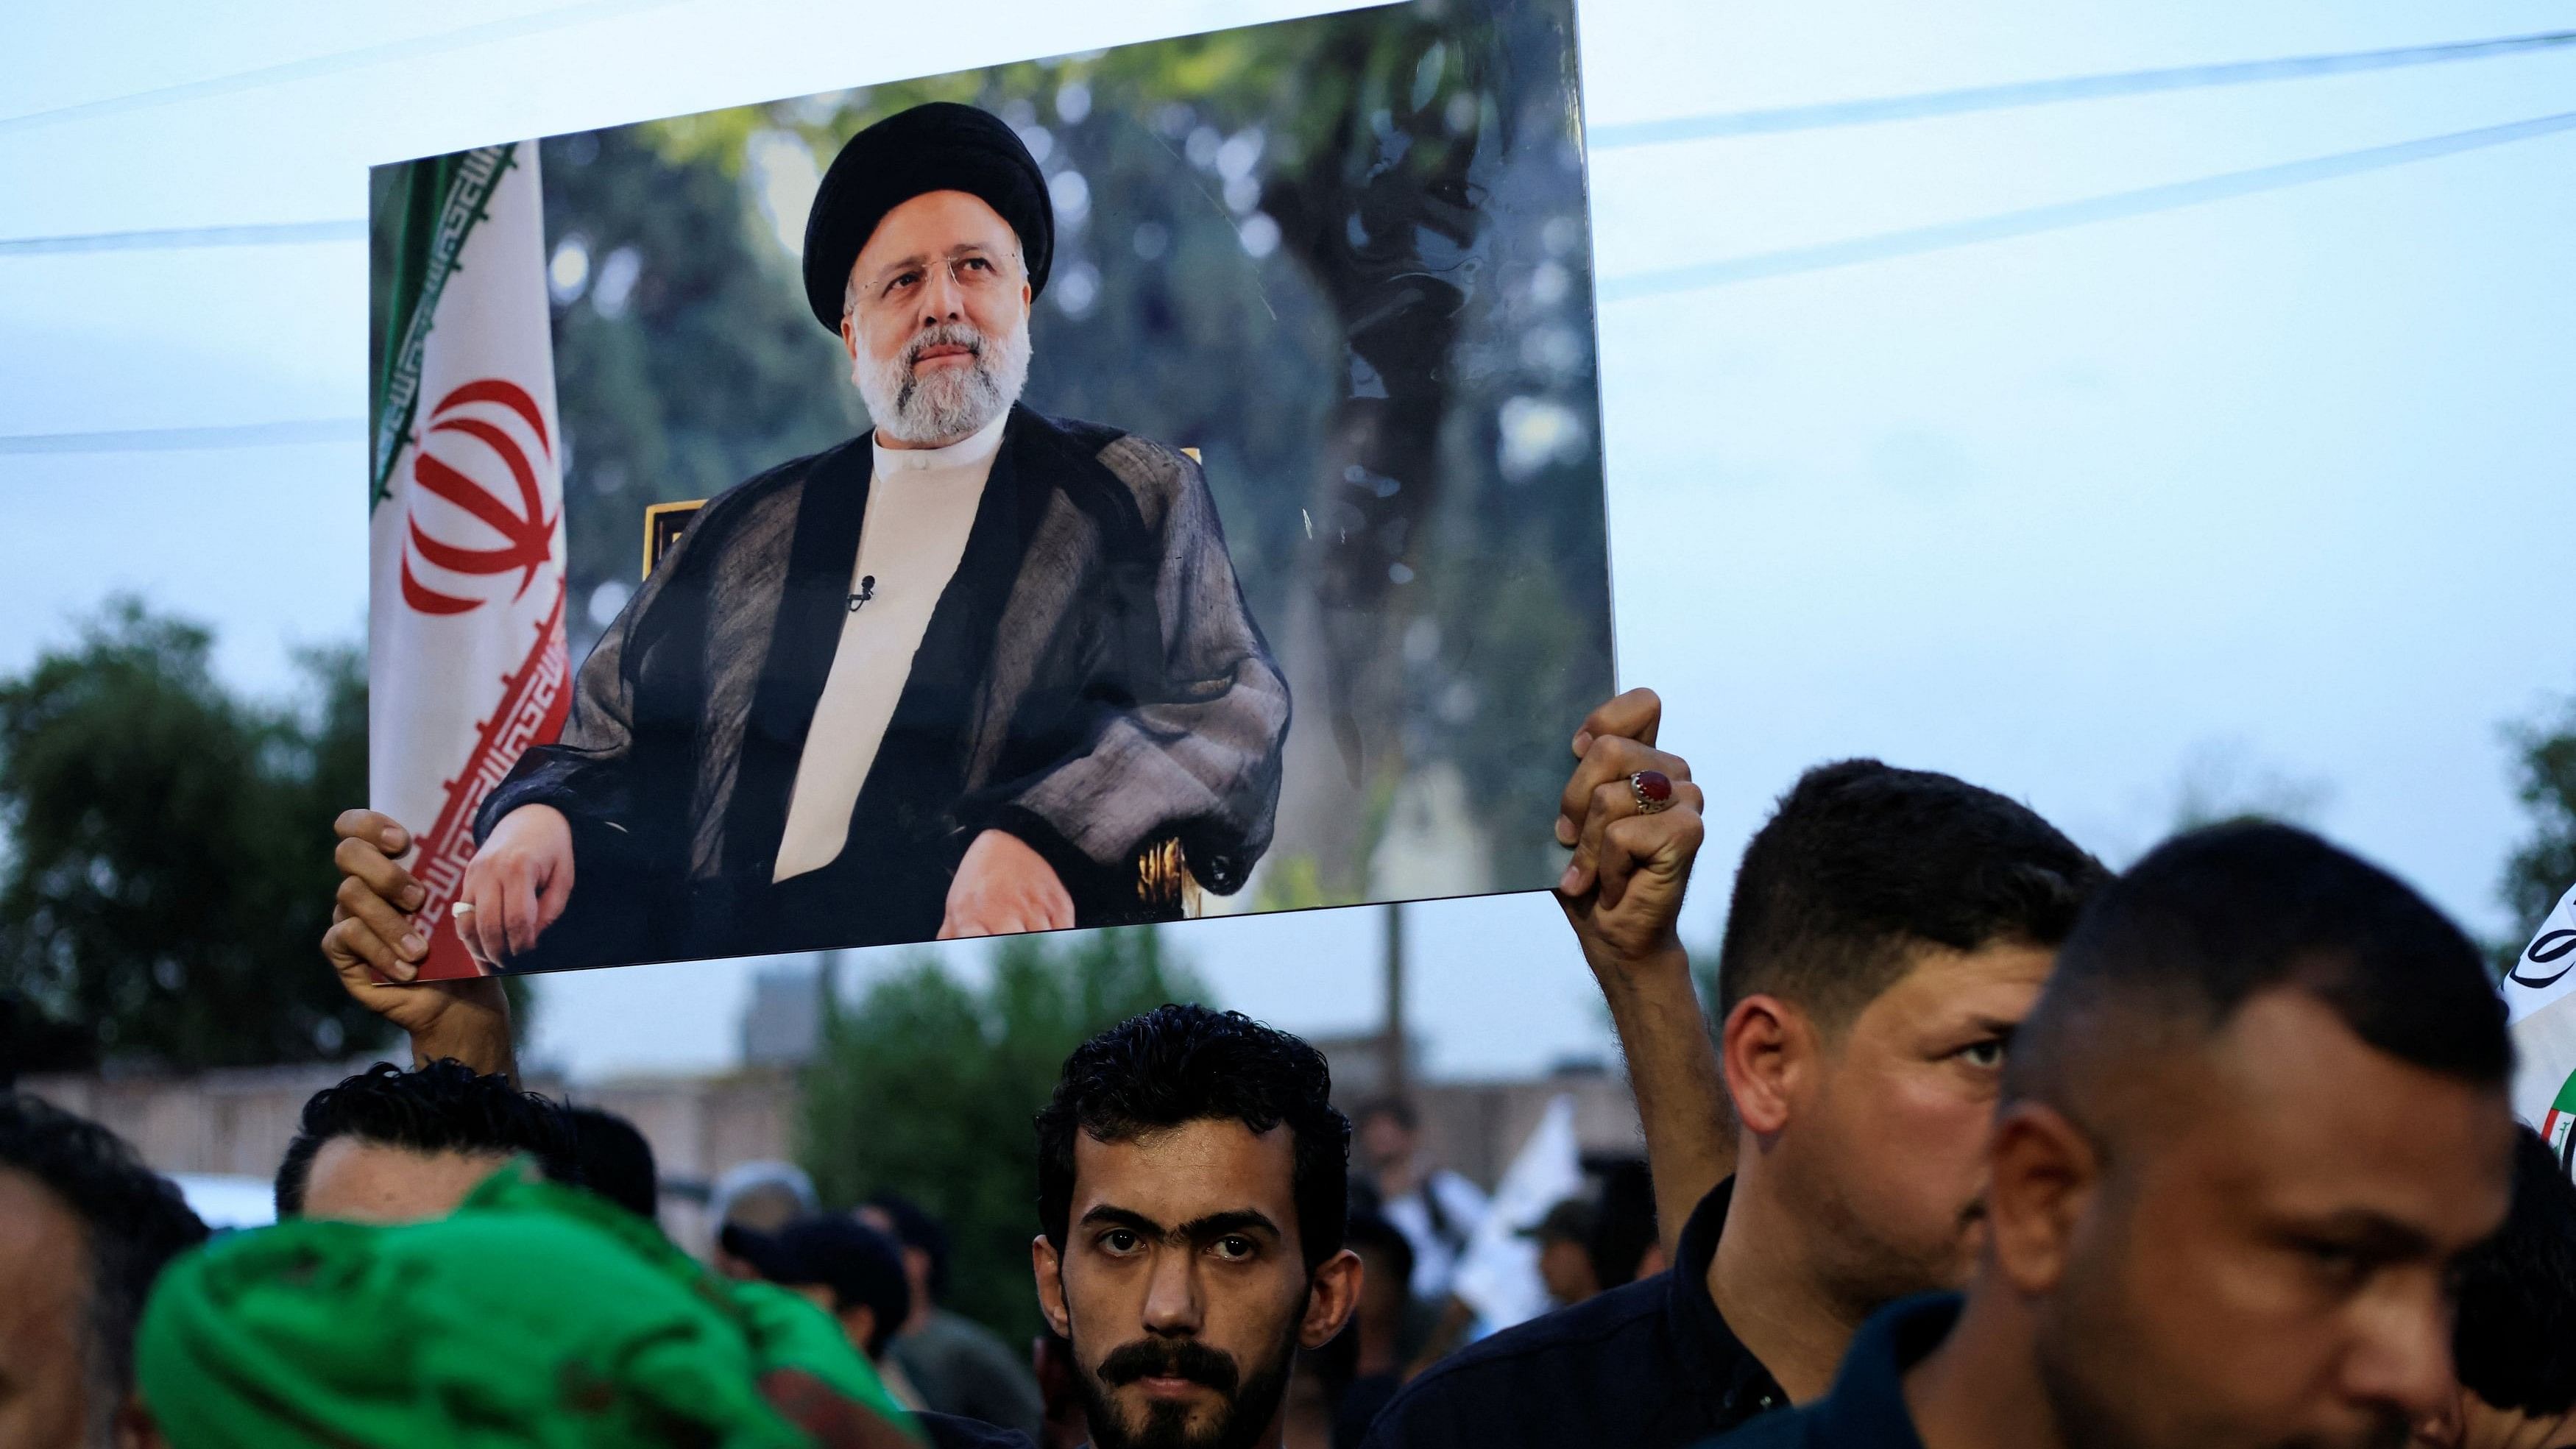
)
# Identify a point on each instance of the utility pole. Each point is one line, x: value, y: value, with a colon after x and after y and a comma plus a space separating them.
x: 1395, y: 1080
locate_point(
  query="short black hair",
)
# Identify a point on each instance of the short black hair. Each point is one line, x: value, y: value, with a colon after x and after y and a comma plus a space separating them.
x: 616, y: 1161
x: 1179, y: 1064
x: 863, y: 1268
x: 135, y: 1220
x: 445, y: 1106
x: 914, y: 1227
x: 1624, y: 1228
x: 2515, y: 1338
x: 2210, y: 919
x: 873, y: 1276
x: 1862, y: 862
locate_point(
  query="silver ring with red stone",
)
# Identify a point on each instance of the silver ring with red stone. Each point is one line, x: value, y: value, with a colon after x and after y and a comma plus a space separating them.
x: 1653, y: 789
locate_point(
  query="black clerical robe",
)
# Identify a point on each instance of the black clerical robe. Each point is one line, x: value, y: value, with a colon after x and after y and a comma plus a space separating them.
x: 1090, y: 682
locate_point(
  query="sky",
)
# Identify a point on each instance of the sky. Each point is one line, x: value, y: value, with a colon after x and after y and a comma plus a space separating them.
x: 2264, y: 500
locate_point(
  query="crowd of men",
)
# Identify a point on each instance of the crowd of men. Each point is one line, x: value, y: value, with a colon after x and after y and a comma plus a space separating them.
x: 1979, y: 1144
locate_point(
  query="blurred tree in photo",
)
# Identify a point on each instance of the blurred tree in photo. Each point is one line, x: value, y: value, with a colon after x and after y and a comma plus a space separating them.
x: 931, y: 1089
x: 2543, y: 866
x: 169, y: 869
x: 685, y: 360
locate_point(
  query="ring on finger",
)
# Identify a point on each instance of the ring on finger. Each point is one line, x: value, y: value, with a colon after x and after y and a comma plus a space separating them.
x: 1653, y: 790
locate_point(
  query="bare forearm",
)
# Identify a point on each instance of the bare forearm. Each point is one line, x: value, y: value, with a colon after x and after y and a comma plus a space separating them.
x: 1673, y: 1069
x: 475, y: 1032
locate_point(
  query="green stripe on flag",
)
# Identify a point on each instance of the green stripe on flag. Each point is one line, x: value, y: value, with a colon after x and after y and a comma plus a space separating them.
x: 436, y: 203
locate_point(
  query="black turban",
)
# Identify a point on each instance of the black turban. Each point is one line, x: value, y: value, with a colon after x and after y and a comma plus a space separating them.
x: 940, y: 146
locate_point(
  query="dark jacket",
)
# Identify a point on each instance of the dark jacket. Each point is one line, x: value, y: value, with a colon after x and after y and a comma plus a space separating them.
x: 1090, y: 682
x: 1865, y: 1409
x: 946, y: 1431
x: 1650, y: 1365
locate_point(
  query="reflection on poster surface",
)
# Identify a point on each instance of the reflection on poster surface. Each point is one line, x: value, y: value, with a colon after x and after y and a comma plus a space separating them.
x: 1079, y: 492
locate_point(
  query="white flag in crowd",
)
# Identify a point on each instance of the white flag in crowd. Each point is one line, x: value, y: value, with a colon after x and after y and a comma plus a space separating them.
x: 465, y: 627
x: 1498, y: 1274
x: 2540, y: 998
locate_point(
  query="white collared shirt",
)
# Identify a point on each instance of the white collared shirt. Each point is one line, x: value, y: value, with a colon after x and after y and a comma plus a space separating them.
x: 921, y: 505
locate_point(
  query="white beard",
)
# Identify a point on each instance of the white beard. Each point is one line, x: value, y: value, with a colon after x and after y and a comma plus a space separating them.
x: 952, y: 402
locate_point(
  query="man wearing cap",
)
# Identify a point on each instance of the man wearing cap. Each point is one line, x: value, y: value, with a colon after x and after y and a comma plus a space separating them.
x: 1564, y: 1239
x: 951, y: 679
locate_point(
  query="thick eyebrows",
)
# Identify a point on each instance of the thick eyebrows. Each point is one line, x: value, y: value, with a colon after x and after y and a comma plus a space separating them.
x: 1228, y: 1224
x: 1250, y: 1221
x: 1119, y: 1217
x: 886, y: 270
x: 959, y: 252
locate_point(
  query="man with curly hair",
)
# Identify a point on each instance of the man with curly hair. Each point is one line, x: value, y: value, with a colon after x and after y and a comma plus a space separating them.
x: 1192, y: 1198
x: 389, y: 1145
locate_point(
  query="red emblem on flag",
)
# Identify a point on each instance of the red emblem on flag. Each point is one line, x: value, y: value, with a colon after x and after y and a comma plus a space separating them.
x: 479, y: 458
x: 525, y: 531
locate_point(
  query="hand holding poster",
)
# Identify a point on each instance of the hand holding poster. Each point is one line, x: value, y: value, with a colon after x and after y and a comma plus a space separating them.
x: 1294, y: 620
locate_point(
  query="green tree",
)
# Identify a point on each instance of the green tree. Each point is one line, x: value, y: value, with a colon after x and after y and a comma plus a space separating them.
x: 169, y: 870
x: 929, y: 1089
x: 2543, y: 866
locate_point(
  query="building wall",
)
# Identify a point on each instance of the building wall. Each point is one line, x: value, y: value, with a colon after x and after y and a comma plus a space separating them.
x: 1475, y: 1128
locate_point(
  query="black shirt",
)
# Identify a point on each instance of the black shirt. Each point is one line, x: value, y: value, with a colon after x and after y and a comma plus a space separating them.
x: 946, y: 1431
x: 1650, y: 1365
x: 1865, y: 1409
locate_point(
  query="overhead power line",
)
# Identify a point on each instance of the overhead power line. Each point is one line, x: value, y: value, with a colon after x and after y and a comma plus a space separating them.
x: 278, y: 234
x: 160, y: 440
x: 2062, y: 215
x: 2048, y: 92
x: 367, y: 55
x: 1760, y: 266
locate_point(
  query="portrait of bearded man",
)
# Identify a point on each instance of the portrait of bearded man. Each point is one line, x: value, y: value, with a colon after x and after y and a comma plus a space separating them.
x: 952, y: 677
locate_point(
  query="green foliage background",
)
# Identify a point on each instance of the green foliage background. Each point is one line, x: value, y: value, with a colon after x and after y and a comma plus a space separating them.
x: 169, y: 874
x: 2543, y: 866
x: 929, y: 1088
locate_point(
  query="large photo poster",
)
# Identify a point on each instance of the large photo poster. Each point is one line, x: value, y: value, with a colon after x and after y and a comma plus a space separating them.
x: 1114, y: 488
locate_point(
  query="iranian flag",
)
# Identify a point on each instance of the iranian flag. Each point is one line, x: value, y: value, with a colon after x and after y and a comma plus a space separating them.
x: 465, y: 624
x: 2540, y: 997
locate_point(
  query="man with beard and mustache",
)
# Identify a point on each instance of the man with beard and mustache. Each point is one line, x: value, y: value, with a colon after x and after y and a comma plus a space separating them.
x: 2250, y: 1136
x: 1887, y: 931
x: 979, y: 671
x: 1192, y: 1193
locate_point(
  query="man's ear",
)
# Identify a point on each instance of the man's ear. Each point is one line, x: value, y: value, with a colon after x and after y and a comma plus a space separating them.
x: 1332, y: 1293
x: 2042, y: 1175
x: 1767, y: 1048
x: 1048, y: 1266
x: 850, y: 336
